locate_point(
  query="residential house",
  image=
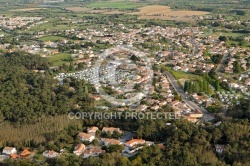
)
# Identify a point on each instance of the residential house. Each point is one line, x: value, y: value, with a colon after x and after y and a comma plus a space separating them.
x: 197, y: 114
x: 111, y: 142
x: 234, y: 85
x: 50, y: 154
x: 79, y: 149
x: 174, y: 103
x: 247, y: 82
x: 14, y: 156
x: 155, y: 107
x: 134, y: 142
x: 191, y: 119
x: 95, y: 151
x: 25, y: 154
x: 111, y: 129
x: 142, y: 107
x: 92, y: 129
x: 161, y: 146
x: 200, y: 99
x: 219, y: 148
x: 86, y: 137
x: 9, y: 150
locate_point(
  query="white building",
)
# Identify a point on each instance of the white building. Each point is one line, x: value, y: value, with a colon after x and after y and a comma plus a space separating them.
x: 79, y: 149
x: 50, y: 154
x: 9, y: 150
x: 92, y: 129
x: 95, y: 151
x: 86, y: 137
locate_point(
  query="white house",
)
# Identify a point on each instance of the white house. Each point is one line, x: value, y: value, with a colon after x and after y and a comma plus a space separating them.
x: 111, y: 142
x: 92, y: 129
x: 9, y: 150
x: 50, y: 154
x: 95, y: 151
x: 134, y: 142
x: 219, y: 148
x: 79, y: 149
x: 111, y: 129
x: 86, y: 137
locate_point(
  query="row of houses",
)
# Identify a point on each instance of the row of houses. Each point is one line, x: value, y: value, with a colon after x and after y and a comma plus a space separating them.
x: 17, y: 22
x: 130, y: 146
x: 12, y: 153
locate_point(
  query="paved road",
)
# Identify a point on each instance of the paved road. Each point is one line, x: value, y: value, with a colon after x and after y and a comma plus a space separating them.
x: 223, y: 62
x: 206, y: 116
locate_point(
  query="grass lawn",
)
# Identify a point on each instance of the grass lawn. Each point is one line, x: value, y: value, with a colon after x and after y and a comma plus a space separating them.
x: 180, y: 74
x: 59, y: 59
x: 49, y: 26
x: 183, y: 75
x: 118, y: 5
x: 51, y: 38
x: 3, y: 33
x: 236, y: 43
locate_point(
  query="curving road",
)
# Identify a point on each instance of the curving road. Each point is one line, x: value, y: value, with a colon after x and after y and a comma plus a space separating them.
x: 206, y: 115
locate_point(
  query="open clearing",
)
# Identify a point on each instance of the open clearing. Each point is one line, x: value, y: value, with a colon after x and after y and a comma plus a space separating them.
x: 59, y: 59
x: 26, y: 9
x: 183, y: 75
x: 166, y: 13
x: 3, y: 33
x: 51, y: 38
x: 78, y: 9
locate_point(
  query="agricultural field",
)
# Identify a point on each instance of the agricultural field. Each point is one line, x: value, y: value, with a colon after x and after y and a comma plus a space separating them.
x: 166, y: 13
x: 78, y: 9
x: 51, y: 38
x: 26, y: 9
x: 116, y: 5
x: 105, y: 11
x: 236, y: 43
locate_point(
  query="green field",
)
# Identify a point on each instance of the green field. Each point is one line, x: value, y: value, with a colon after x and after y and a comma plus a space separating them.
x: 2, y: 32
x: 59, y: 59
x: 183, y: 75
x: 228, y: 34
x: 117, y: 5
x: 50, y: 26
x: 51, y: 38
x: 245, y: 44
x: 180, y: 74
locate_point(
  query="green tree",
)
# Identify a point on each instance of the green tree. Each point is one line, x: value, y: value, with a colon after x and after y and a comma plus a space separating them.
x: 237, y: 67
x: 95, y: 142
